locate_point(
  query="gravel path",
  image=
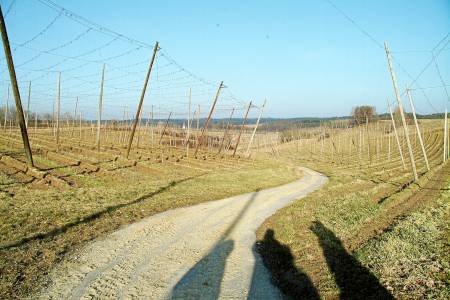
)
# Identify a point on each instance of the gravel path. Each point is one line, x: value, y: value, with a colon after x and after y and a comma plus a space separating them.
x: 199, y: 252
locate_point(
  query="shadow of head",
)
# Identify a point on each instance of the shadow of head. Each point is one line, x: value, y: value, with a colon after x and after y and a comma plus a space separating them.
x: 279, y: 260
x: 354, y: 280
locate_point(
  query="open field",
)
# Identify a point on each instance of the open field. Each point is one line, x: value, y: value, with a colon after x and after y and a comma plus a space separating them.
x: 80, y: 194
x: 372, y: 232
x: 204, y: 251
x: 327, y: 244
x: 295, y: 150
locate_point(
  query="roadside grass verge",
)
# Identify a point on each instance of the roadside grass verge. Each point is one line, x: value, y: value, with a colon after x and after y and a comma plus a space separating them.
x: 412, y: 258
x: 324, y: 232
x: 40, y: 226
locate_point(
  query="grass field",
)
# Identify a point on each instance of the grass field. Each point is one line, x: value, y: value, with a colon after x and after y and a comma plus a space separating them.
x: 370, y: 233
x: 42, y: 222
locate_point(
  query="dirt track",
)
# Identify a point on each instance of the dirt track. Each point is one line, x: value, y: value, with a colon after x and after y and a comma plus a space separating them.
x: 204, y: 251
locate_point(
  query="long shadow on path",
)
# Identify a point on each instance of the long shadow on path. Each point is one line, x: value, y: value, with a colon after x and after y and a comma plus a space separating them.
x: 204, y: 279
x: 354, y: 280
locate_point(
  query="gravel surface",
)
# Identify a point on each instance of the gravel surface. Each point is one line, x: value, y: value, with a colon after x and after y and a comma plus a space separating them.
x: 204, y: 251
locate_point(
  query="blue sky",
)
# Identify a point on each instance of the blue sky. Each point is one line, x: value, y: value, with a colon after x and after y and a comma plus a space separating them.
x: 305, y: 57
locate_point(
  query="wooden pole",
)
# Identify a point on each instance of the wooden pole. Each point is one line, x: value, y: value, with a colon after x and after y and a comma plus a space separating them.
x: 254, y: 130
x: 152, y: 124
x: 445, y: 136
x: 360, y: 144
x: 205, y: 127
x: 74, y: 117
x: 198, y: 117
x: 448, y: 139
x: 165, y: 126
x: 28, y: 104
x: 6, y: 111
x: 53, y: 117
x: 242, y: 128
x: 15, y: 87
x: 58, y: 109
x: 81, y: 117
x: 226, y: 131
x: 389, y: 147
x: 122, y: 132
x: 141, y: 101
x: 35, y: 124
x: 418, y: 129
x: 396, y: 136
x: 400, y: 106
x: 368, y: 141
x: 100, y: 106
x: 188, y: 123
x: 138, y: 131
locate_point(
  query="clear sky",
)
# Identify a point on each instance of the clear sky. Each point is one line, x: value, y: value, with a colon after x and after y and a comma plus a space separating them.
x: 305, y: 57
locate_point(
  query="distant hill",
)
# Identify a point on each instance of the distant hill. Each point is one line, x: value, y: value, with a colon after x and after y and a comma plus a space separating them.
x: 278, y: 124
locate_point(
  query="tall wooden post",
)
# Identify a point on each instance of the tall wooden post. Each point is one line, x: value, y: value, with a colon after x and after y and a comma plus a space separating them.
x: 254, y: 130
x: 28, y: 104
x: 360, y: 144
x: 198, y: 117
x: 396, y: 136
x: 226, y: 131
x: 242, y: 128
x: 141, y: 101
x: 188, y: 123
x: 368, y: 141
x: 122, y: 132
x: 152, y: 124
x: 74, y: 117
x: 15, y: 87
x: 165, y: 126
x: 205, y: 127
x: 418, y: 129
x: 400, y: 106
x: 445, y: 136
x: 81, y: 118
x: 138, y: 131
x: 389, y: 147
x: 6, y: 111
x: 448, y: 131
x: 53, y: 118
x: 58, y: 110
x: 35, y: 123
x: 100, y: 106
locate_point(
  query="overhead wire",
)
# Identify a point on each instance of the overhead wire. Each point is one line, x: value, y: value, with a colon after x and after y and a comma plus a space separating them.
x: 379, y: 45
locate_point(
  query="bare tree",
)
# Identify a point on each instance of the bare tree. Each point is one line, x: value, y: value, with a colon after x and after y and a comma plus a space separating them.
x: 360, y: 113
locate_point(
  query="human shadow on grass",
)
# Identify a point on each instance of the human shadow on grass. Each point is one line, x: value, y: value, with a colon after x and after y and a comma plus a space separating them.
x: 204, y: 279
x: 92, y: 217
x: 353, y: 279
x: 278, y: 259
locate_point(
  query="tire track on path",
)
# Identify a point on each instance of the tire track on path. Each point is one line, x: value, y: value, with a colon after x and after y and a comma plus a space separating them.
x: 204, y: 251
